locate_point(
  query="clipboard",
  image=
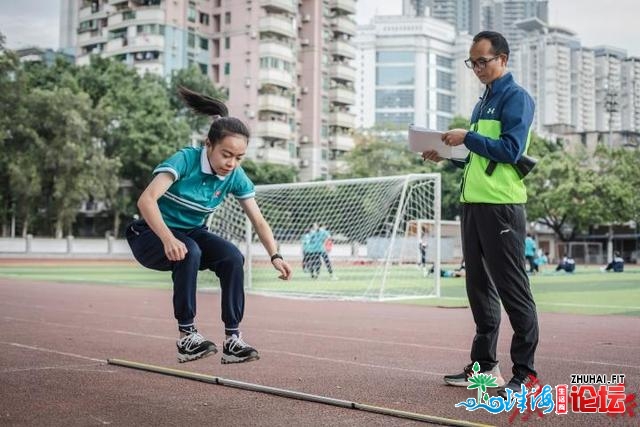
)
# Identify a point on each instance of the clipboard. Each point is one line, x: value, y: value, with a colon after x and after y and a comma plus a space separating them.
x: 422, y: 139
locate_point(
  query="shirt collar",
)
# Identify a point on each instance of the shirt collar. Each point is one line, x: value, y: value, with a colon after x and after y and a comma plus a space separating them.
x: 500, y: 83
x: 205, y: 166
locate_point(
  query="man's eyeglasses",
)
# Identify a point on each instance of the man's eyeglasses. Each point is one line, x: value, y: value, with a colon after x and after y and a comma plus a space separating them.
x: 481, y: 63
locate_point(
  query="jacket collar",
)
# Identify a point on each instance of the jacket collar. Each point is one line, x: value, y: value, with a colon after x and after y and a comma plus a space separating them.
x: 499, y: 84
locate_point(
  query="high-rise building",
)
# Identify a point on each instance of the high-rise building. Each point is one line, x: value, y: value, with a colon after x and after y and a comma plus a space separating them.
x: 465, y: 15
x: 630, y: 94
x: 68, y: 25
x: 507, y: 13
x: 285, y: 64
x: 560, y: 75
x: 411, y: 70
x: 608, y: 61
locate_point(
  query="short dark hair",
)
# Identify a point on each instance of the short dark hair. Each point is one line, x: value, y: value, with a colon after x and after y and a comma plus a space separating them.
x: 222, y: 125
x: 498, y: 42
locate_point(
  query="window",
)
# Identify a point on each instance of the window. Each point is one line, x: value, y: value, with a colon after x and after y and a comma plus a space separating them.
x: 445, y: 103
x: 442, y: 61
x: 204, y: 18
x: 386, y: 98
x: 191, y: 12
x: 203, y: 68
x: 392, y: 76
x: 191, y: 40
x: 444, y: 80
x: 130, y: 14
x: 227, y: 17
x: 227, y: 68
x: 227, y: 42
x: 204, y: 43
x: 402, y: 119
x: 442, y: 123
x: 390, y: 56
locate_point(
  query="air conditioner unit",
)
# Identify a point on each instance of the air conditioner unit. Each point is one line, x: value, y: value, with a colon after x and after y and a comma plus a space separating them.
x: 247, y: 82
x: 304, y: 139
x: 250, y: 114
x: 304, y: 42
x: 306, y: 17
x: 253, y: 34
x: 304, y: 163
x: 260, y: 154
x: 304, y: 89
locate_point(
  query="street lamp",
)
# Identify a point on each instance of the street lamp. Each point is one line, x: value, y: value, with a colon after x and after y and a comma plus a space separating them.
x: 611, y: 106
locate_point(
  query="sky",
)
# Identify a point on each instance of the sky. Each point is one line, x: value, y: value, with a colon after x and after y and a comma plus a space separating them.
x: 614, y: 22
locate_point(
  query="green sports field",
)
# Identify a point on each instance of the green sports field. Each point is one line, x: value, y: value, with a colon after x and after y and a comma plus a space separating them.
x: 588, y: 291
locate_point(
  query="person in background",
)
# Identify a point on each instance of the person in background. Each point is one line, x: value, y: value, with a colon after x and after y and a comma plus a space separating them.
x: 530, y: 249
x: 172, y: 235
x: 568, y: 264
x: 616, y: 265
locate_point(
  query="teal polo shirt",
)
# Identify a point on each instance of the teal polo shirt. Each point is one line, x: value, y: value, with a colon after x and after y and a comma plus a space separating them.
x: 197, y: 191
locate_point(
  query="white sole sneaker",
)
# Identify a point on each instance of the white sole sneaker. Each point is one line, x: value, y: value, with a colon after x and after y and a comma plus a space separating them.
x: 182, y: 358
x: 228, y: 358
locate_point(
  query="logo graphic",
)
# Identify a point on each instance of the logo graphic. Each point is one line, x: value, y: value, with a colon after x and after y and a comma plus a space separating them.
x: 504, y: 231
x: 604, y: 394
x: 491, y: 110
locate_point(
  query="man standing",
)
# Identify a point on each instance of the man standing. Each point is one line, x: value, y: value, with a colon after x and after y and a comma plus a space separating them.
x: 493, y: 215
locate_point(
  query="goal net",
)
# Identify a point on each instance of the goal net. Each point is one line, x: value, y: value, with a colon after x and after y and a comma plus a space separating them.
x: 355, y: 238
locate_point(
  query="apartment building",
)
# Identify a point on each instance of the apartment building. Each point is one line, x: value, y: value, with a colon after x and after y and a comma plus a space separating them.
x: 608, y: 65
x: 285, y: 64
x: 630, y: 96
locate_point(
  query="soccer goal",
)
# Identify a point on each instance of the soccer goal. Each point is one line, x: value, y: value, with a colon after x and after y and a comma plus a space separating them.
x: 367, y: 237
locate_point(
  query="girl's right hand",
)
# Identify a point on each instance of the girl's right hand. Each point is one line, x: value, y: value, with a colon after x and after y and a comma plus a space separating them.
x: 174, y: 249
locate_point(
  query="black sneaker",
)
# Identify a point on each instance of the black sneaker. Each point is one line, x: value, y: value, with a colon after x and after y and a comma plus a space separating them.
x: 235, y: 350
x: 530, y: 381
x: 194, y: 346
x: 462, y: 379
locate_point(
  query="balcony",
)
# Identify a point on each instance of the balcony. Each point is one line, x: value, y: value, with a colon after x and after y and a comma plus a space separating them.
x: 344, y: 25
x: 342, y: 72
x: 343, y: 6
x: 155, y: 14
x: 341, y: 95
x: 88, y: 38
x: 341, y: 142
x: 276, y: 77
x: 274, y: 129
x: 277, y: 49
x: 276, y: 155
x: 343, y: 49
x: 276, y: 103
x: 342, y: 119
x: 277, y: 25
x: 289, y: 6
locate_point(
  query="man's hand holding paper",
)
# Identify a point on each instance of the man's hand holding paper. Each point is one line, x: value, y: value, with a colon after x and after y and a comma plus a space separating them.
x: 435, y: 145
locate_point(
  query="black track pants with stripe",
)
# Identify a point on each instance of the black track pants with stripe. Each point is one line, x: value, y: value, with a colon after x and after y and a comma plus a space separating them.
x: 493, y: 247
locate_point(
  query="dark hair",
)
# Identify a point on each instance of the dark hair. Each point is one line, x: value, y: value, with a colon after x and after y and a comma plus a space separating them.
x: 222, y: 125
x: 498, y: 42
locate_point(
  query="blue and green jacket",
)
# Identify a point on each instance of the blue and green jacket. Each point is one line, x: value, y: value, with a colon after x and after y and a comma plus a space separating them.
x: 500, y: 131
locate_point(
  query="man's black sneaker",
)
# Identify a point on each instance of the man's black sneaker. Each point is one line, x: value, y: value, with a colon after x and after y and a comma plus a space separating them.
x: 530, y: 381
x: 462, y: 379
x: 235, y: 350
x: 194, y: 346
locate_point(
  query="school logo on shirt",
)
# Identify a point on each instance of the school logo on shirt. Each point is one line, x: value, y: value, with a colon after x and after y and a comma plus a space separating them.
x: 216, y: 194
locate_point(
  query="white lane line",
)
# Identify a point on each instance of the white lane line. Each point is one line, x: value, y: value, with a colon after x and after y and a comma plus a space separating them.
x: 48, y: 350
x: 80, y: 368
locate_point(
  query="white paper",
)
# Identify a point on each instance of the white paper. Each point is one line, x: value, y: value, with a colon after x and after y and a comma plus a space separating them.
x: 423, y: 139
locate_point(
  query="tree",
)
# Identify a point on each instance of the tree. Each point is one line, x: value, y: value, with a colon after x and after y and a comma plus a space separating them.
x: 569, y: 192
x: 71, y: 163
x: 269, y: 173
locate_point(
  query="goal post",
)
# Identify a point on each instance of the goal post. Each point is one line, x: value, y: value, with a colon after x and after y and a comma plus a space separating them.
x: 354, y: 238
